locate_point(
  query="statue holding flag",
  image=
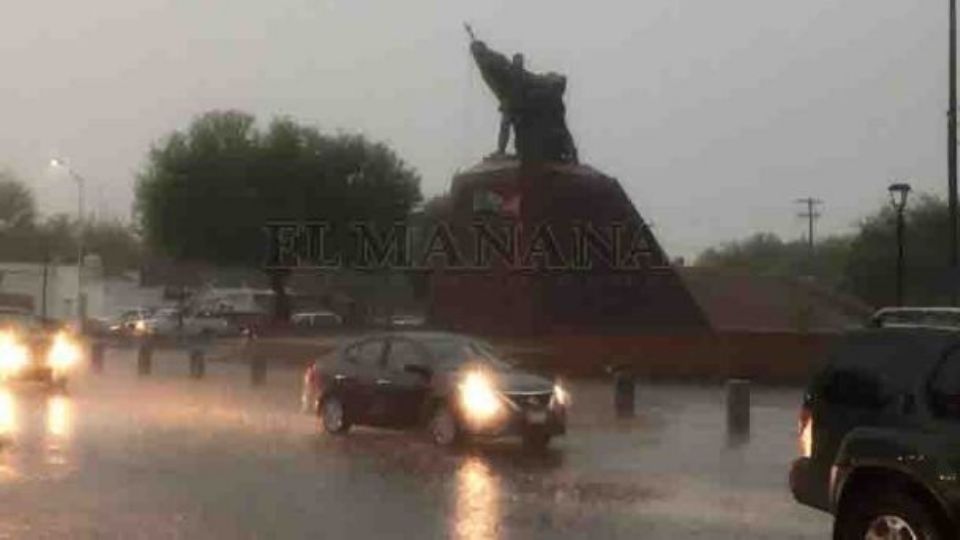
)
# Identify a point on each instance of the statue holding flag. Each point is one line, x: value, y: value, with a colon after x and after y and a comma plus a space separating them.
x: 530, y: 103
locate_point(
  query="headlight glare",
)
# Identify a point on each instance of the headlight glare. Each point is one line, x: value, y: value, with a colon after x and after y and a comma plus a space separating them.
x: 560, y: 395
x: 478, y: 398
x: 13, y: 354
x: 64, y: 353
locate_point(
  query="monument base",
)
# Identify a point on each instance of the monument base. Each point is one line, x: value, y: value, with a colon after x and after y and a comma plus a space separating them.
x: 553, y: 248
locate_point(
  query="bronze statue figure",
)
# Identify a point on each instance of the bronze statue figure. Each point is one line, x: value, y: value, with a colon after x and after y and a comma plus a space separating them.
x: 531, y: 103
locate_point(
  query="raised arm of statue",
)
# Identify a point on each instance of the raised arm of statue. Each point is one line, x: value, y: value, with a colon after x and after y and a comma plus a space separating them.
x: 494, y: 68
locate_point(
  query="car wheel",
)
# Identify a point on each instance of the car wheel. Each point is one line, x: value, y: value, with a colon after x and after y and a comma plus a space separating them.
x: 536, y: 440
x: 334, y: 416
x: 884, y: 514
x: 444, y: 428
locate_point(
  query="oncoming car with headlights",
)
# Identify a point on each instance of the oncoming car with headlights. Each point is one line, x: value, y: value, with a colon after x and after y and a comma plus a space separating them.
x: 31, y: 350
x: 455, y: 386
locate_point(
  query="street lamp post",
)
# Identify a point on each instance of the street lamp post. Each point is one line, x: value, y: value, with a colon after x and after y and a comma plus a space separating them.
x: 952, y: 154
x: 898, y: 198
x: 81, y: 184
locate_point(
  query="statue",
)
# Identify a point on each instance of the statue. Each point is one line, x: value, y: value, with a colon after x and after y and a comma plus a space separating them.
x: 530, y: 103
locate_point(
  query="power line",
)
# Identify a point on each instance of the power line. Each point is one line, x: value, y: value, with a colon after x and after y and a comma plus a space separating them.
x: 811, y: 215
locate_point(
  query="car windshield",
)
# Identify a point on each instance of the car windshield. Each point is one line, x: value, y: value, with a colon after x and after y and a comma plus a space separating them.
x: 454, y: 352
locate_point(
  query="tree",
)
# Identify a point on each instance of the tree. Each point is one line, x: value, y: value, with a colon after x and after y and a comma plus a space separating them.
x: 436, y: 210
x: 116, y: 243
x: 863, y: 263
x: 766, y: 253
x: 206, y: 193
x: 870, y: 271
x: 17, y: 207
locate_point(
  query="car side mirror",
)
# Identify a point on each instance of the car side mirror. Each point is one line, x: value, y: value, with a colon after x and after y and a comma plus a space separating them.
x: 418, y: 369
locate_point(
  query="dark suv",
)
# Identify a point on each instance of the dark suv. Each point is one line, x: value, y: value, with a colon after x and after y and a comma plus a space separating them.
x: 880, y: 434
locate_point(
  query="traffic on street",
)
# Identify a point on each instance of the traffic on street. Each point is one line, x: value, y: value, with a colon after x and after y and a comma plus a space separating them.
x: 166, y: 456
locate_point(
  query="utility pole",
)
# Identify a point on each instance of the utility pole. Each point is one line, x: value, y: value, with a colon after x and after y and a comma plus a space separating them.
x: 952, y: 154
x: 810, y: 214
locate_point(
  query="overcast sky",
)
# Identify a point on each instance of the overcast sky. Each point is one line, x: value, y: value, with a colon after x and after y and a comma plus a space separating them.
x: 714, y: 115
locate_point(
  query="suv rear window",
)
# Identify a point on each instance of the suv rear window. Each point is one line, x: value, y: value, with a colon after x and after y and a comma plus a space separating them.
x: 870, y: 367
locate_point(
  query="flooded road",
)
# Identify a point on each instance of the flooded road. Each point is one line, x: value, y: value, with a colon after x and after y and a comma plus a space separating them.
x: 165, y: 456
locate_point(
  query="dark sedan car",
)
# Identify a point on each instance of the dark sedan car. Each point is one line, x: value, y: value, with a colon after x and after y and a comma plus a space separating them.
x: 455, y: 386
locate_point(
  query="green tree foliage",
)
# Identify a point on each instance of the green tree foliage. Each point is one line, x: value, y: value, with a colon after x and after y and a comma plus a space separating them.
x: 767, y: 254
x: 17, y: 207
x: 870, y: 271
x: 119, y: 248
x: 207, y: 192
x: 862, y: 263
x: 25, y: 237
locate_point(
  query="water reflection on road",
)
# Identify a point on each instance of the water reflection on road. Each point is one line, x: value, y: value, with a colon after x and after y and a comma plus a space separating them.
x: 477, y: 501
x: 120, y: 454
x: 8, y: 414
x: 36, y: 428
x: 59, y: 424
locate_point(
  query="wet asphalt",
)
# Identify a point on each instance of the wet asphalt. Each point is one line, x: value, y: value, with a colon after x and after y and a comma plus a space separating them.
x: 165, y: 456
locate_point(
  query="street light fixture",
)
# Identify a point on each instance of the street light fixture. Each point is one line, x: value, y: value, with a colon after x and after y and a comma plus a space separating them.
x: 898, y: 199
x: 81, y: 183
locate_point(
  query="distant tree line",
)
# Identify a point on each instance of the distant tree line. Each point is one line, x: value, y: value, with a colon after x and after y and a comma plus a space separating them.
x: 862, y: 263
x: 25, y: 236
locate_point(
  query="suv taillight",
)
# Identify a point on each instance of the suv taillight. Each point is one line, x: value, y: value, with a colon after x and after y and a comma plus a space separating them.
x: 805, y: 432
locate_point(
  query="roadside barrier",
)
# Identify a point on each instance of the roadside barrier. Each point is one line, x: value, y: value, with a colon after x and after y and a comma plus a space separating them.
x: 738, y: 410
x: 198, y: 364
x: 145, y: 358
x: 96, y: 356
x: 624, y: 390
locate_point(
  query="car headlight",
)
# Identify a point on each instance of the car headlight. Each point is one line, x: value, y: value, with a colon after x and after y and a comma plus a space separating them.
x: 14, y: 355
x: 64, y: 352
x: 560, y: 396
x: 478, y: 397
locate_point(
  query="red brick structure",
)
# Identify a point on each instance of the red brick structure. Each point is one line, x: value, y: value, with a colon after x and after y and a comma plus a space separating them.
x: 553, y: 291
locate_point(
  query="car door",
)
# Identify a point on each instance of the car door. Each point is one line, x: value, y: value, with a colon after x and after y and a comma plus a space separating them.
x: 405, y: 390
x: 357, y: 380
x: 943, y: 441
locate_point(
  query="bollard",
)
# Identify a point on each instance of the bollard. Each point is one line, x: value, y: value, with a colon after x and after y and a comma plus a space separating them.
x: 96, y: 356
x: 624, y: 392
x: 738, y: 409
x: 144, y: 358
x: 198, y: 366
x: 258, y: 371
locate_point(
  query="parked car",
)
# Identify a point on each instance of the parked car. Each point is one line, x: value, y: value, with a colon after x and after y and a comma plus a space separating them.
x: 166, y: 323
x: 316, y: 319
x: 455, y: 386
x: 32, y: 349
x: 879, y: 431
x: 129, y: 322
